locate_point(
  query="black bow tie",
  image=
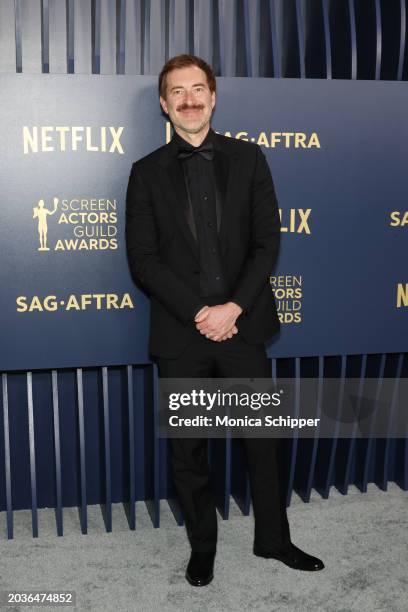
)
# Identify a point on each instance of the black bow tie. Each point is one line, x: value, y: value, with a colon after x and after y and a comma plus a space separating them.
x: 205, y: 150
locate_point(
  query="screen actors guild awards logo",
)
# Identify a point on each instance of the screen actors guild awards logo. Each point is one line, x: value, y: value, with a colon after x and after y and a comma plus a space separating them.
x: 41, y: 213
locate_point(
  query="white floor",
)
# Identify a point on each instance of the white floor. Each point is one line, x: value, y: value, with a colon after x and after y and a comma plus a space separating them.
x: 362, y: 539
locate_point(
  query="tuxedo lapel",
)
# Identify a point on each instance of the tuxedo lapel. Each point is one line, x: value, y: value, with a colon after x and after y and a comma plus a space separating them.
x: 227, y: 179
x: 173, y: 186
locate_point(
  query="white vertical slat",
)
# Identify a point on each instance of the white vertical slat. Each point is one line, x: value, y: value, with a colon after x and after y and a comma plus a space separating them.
x: 228, y: 41
x: 157, y: 37
x: 108, y: 37
x: 279, y: 9
x: 133, y: 38
x: 83, y: 36
x: 203, y: 30
x: 253, y: 28
x: 178, y: 27
x: 31, y: 35
x: 7, y: 37
x: 58, y: 36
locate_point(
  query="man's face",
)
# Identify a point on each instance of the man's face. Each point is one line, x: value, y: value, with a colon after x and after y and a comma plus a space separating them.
x: 189, y: 102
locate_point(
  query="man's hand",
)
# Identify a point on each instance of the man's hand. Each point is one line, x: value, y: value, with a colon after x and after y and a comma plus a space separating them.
x: 230, y: 334
x: 218, y: 322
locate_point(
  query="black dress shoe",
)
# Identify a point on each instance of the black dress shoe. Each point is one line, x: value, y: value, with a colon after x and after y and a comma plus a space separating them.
x: 200, y: 568
x: 291, y: 556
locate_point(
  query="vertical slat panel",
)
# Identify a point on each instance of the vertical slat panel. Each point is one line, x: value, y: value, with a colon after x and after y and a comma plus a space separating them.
x: 70, y: 25
x: 301, y: 29
x: 378, y: 26
x: 263, y: 56
x: 83, y: 36
x: 275, y: 38
x: 120, y: 36
x: 45, y: 36
x: 58, y: 36
x: 166, y: 471
x: 157, y: 41
x: 108, y: 37
x: 313, y: 458
x: 295, y: 436
x: 228, y: 471
x: 220, y: 463
x: 332, y: 453
x: 82, y: 459
x: 152, y: 473
x: 204, y: 32
x: 315, y: 44
x: 390, y: 16
x: 274, y: 370
x: 134, y: 37
x: 252, y: 12
x: 327, y: 38
x: 96, y: 36
x: 353, y: 39
x: 241, y: 34
x: 401, y: 456
x: 403, y: 33
x: 31, y: 438
x: 7, y: 37
x: 18, y: 35
x: 341, y: 39
x: 351, y: 443
x: 180, y: 38
x: 240, y: 488
x: 365, y: 460
x: 368, y: 37
x: 107, y: 451
x: 57, y: 452
x: 7, y: 459
x: 155, y: 380
x: 403, y: 482
x: 288, y: 37
x: 279, y: 37
x: 130, y: 508
x: 228, y: 42
x: 383, y: 483
x: 31, y: 35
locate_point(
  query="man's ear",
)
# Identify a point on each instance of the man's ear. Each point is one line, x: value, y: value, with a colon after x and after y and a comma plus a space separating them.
x: 213, y: 99
x: 164, y: 105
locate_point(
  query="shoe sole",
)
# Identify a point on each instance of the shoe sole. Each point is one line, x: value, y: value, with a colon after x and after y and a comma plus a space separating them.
x: 199, y: 584
x: 270, y: 556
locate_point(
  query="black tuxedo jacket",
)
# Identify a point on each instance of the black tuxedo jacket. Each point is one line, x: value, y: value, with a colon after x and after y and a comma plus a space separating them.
x: 163, y: 253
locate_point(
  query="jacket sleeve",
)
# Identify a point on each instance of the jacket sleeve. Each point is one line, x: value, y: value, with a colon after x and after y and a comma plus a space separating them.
x: 143, y: 256
x: 265, y: 237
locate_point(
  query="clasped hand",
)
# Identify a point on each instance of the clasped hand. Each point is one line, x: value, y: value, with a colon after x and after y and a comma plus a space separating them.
x: 218, y: 322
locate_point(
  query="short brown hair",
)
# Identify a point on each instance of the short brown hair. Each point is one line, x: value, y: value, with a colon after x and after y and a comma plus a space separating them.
x: 182, y: 61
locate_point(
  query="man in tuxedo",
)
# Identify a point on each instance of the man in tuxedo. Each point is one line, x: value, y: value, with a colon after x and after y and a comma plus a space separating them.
x: 202, y: 235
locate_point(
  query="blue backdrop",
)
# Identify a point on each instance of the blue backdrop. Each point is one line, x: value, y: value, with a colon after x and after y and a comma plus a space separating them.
x: 337, y: 152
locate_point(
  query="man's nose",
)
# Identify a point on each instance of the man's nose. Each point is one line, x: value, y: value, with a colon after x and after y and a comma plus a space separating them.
x: 189, y: 97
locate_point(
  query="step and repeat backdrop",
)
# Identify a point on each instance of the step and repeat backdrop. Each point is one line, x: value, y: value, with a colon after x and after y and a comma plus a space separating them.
x: 338, y: 153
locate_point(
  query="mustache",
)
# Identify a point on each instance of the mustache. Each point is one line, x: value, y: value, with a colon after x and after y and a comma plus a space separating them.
x: 190, y: 107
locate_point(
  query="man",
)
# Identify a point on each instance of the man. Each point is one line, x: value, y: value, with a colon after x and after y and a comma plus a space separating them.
x: 202, y: 233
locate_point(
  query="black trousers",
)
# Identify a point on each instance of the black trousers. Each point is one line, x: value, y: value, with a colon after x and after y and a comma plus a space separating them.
x: 232, y: 358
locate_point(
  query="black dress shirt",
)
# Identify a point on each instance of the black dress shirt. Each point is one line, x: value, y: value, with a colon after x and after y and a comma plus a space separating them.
x: 204, y: 217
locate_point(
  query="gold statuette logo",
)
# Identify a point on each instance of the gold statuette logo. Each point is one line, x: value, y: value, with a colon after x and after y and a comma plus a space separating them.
x: 41, y: 213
